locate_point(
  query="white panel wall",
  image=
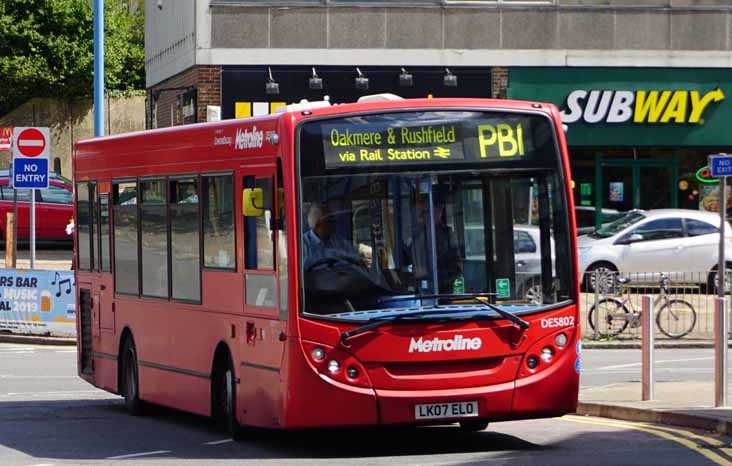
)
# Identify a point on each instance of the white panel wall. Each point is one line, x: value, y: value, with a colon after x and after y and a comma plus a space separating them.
x: 169, y: 38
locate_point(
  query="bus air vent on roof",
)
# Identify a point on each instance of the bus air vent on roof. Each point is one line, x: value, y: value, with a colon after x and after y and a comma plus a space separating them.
x: 379, y: 98
x: 304, y: 105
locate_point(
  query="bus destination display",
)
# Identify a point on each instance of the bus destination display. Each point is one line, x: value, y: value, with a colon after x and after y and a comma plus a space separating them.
x: 359, y: 142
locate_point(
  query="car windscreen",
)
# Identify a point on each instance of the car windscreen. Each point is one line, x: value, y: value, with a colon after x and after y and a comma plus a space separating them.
x: 618, y: 225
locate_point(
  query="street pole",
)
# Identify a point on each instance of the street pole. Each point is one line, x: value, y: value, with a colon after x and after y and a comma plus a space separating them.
x: 720, y: 309
x: 647, y: 347
x: 33, y: 229
x: 98, y: 67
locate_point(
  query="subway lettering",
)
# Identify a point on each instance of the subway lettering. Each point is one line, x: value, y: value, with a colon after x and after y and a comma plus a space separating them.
x: 641, y: 106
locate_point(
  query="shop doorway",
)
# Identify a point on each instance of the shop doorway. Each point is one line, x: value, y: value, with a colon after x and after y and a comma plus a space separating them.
x: 634, y: 184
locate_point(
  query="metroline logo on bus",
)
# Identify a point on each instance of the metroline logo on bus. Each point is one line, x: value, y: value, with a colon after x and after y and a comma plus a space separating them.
x: 641, y: 106
x: 456, y: 343
x: 31, y: 148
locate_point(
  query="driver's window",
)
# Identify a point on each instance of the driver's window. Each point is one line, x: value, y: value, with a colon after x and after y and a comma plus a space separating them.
x: 259, y: 256
x: 259, y: 244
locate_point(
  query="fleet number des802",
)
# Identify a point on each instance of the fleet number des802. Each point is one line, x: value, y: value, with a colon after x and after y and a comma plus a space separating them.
x: 508, y: 139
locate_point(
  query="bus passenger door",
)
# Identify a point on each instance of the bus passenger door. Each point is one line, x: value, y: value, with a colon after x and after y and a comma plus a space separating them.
x: 262, y: 345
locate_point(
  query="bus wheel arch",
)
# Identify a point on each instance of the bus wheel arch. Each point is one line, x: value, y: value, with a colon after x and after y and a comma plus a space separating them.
x: 223, y: 391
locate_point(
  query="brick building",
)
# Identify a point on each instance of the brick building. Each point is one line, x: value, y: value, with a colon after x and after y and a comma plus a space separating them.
x: 649, y: 62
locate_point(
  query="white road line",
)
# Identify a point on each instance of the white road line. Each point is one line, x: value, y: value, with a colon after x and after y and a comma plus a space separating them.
x: 633, y: 364
x: 71, y: 392
x: 42, y: 464
x: 65, y: 351
x: 219, y: 442
x: 13, y: 376
x: 136, y: 455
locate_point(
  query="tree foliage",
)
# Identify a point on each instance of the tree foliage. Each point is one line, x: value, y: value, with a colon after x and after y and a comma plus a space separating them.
x: 47, y: 48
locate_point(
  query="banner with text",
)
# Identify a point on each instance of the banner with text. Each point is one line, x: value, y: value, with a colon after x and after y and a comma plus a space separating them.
x: 37, y: 301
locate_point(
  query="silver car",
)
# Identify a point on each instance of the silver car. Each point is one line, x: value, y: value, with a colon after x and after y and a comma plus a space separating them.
x: 651, y: 242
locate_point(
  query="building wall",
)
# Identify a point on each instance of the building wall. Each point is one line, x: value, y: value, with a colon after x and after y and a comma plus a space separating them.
x: 566, y: 34
x: 72, y: 120
x: 169, y: 38
x: 166, y: 104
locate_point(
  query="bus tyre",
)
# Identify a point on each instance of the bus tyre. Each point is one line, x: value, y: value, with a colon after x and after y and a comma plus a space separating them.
x: 131, y: 380
x: 226, y: 402
x: 473, y: 426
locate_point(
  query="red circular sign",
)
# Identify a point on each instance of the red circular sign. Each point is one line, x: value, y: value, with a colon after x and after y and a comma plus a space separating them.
x: 30, y: 142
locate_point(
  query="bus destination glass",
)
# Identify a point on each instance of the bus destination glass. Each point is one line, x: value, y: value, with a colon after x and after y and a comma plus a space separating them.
x: 436, y: 137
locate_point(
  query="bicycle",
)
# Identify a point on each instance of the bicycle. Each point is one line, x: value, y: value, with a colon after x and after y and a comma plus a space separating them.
x: 674, y: 317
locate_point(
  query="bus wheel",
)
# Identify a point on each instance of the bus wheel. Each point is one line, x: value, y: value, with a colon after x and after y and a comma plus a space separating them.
x: 226, y: 402
x: 473, y: 426
x: 130, y: 381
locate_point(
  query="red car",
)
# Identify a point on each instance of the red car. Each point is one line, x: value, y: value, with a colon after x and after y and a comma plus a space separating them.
x: 54, y: 209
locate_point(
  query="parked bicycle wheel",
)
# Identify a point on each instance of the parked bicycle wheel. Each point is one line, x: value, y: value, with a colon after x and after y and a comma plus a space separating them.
x: 676, y: 318
x: 612, y: 317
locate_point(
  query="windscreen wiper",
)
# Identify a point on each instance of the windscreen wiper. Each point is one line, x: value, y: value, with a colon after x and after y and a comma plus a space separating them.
x: 381, y: 321
x: 377, y: 322
x: 506, y: 315
x: 474, y: 297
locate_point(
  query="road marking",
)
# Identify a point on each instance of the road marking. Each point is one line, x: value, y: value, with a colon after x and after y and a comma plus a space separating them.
x: 136, y: 455
x: 65, y: 351
x: 219, y: 442
x: 42, y: 464
x: 655, y: 430
x: 633, y: 364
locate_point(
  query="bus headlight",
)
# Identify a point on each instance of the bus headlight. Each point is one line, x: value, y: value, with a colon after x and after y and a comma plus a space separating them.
x: 318, y: 353
x: 547, y: 353
x: 334, y: 366
x: 560, y: 339
x: 335, y: 363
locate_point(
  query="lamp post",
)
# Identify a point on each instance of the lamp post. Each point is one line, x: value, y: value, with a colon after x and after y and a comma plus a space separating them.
x: 98, y: 67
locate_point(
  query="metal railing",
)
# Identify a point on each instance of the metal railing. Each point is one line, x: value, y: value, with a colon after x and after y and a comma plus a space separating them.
x: 684, y: 304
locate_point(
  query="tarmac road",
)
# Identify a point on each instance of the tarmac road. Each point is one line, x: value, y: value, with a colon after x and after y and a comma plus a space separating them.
x: 48, y: 416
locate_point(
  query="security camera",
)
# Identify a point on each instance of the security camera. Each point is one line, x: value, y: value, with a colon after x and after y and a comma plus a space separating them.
x: 160, y: 4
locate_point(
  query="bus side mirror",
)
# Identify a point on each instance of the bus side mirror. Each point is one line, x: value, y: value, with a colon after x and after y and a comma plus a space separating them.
x: 252, y: 202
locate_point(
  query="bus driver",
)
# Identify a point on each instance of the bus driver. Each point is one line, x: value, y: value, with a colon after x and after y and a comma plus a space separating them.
x: 321, y: 241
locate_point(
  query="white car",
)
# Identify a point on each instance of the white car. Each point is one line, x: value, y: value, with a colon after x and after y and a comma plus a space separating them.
x: 654, y: 242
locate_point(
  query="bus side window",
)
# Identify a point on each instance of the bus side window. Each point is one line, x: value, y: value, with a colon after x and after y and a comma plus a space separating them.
x: 85, y: 224
x: 104, y: 231
x: 185, y: 239
x: 219, y: 239
x: 259, y: 245
x: 124, y: 217
x: 154, y: 238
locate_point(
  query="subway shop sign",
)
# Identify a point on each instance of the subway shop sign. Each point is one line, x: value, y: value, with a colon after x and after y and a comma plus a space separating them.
x: 634, y: 107
x: 429, y: 137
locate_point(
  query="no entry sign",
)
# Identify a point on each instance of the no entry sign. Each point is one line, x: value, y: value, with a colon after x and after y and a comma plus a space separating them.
x: 31, y: 148
x: 31, y: 142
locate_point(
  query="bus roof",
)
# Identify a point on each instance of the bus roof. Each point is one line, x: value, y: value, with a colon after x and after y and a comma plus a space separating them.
x: 250, y: 137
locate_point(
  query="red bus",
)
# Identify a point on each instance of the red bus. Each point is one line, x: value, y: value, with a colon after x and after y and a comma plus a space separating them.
x: 383, y: 262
